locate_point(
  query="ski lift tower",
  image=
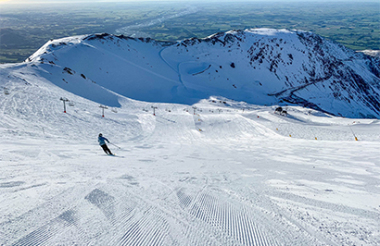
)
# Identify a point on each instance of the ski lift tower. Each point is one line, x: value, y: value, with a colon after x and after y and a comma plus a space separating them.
x: 154, y: 110
x: 64, y: 100
x: 103, y: 107
x: 195, y: 108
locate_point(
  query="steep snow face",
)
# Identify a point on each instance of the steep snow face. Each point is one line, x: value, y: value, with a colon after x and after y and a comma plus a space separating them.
x: 260, y: 66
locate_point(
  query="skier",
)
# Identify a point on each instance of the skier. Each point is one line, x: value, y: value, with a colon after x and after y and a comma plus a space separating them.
x: 102, y: 142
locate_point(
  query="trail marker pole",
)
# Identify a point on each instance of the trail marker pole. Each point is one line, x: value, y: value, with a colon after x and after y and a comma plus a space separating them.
x: 64, y: 100
x: 356, y: 139
x: 154, y: 110
x: 103, y: 107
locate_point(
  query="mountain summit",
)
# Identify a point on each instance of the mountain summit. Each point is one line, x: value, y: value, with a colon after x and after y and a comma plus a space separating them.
x: 259, y: 66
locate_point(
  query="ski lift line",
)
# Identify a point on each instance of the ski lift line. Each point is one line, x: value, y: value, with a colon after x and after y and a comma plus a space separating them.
x: 171, y: 121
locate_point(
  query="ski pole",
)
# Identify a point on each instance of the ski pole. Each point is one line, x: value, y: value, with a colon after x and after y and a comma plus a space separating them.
x: 115, y: 145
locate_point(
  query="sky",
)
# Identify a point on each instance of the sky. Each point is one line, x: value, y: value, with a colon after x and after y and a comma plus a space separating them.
x: 63, y: 1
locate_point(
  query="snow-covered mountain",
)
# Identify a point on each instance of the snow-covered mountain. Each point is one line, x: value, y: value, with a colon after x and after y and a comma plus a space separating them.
x: 260, y: 66
x: 374, y: 53
x: 217, y: 172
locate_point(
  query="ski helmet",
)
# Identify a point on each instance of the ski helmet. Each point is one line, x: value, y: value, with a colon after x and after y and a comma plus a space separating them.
x: 100, y: 135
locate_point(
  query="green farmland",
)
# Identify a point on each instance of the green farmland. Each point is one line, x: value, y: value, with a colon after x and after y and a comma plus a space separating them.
x: 24, y: 29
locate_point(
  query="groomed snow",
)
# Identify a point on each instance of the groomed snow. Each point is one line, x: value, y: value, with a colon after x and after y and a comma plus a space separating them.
x: 230, y: 174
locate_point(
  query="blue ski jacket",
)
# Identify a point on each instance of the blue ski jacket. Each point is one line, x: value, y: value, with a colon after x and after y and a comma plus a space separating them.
x: 102, y: 140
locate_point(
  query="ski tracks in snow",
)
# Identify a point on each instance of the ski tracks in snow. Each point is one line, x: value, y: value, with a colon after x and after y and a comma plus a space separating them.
x: 228, y: 222
x: 129, y: 211
x: 175, y: 186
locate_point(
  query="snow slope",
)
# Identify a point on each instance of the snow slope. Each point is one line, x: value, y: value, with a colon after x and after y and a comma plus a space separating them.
x: 222, y: 173
x: 259, y: 66
x: 205, y: 169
